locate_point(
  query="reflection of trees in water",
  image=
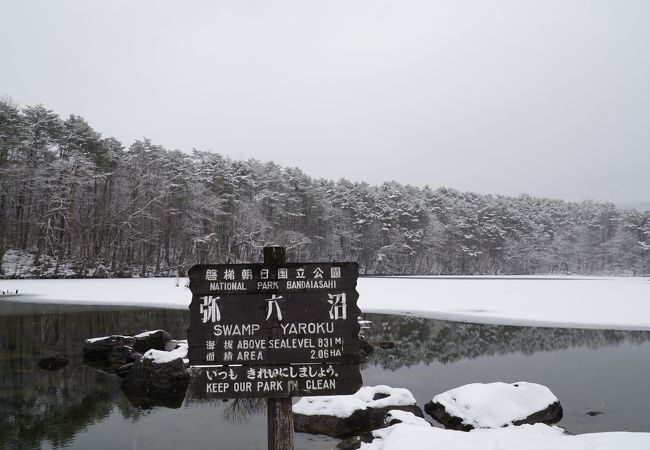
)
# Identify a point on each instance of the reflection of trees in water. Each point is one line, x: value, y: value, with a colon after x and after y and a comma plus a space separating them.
x: 235, y: 411
x: 37, y: 405
x: 241, y: 409
x: 420, y: 340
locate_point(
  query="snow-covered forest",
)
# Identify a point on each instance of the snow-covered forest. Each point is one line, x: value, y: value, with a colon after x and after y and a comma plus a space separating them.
x: 73, y: 203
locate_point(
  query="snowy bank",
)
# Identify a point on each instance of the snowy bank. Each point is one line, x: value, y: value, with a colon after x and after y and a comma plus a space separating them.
x: 529, y: 437
x: 577, y: 302
x: 571, y: 302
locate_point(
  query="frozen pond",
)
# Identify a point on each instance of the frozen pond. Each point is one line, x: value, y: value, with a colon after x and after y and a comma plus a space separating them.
x: 599, y: 371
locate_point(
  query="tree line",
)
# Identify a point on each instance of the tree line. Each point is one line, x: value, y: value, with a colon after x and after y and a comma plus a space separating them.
x: 79, y: 204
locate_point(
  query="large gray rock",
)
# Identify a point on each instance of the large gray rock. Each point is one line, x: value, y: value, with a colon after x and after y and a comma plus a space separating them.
x: 157, y: 374
x: 495, y: 405
x: 100, y: 348
x: 343, y: 416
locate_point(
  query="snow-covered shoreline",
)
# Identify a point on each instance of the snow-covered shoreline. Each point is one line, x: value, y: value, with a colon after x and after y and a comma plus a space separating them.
x: 572, y: 302
x: 530, y: 437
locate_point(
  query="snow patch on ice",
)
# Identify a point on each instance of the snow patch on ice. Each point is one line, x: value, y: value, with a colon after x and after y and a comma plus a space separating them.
x: 604, y: 303
x: 345, y: 405
x: 495, y: 405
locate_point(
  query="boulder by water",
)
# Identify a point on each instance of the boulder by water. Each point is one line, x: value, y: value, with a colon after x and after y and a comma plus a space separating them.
x: 495, y: 405
x: 148, y: 340
x: 101, y: 347
x: 116, y: 354
x: 348, y: 415
x: 122, y: 355
x: 158, y: 374
x: 124, y: 370
x: 365, y: 348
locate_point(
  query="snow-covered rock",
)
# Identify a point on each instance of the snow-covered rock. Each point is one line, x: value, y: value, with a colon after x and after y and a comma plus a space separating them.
x: 158, y: 375
x: 115, y: 354
x: 347, y: 415
x: 494, y: 405
x: 148, y: 340
x: 101, y: 347
x: 529, y: 437
x: 162, y: 356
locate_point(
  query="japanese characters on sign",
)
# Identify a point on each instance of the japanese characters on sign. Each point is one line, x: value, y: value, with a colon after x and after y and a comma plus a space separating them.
x: 274, y: 380
x: 257, y: 278
x: 274, y: 328
x: 300, y: 316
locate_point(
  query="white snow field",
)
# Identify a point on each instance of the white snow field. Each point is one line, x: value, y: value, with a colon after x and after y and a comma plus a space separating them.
x: 577, y: 302
x: 524, y: 437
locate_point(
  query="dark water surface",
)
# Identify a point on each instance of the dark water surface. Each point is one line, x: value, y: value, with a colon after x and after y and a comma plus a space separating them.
x: 81, y: 408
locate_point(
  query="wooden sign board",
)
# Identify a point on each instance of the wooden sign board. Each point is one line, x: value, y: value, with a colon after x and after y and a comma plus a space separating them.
x: 262, y: 329
x: 301, y: 317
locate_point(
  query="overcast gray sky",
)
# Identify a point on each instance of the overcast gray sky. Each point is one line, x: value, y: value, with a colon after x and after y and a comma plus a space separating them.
x: 545, y: 97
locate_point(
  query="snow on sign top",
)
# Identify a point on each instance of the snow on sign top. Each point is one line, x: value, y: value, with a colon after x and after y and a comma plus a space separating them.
x: 495, y: 405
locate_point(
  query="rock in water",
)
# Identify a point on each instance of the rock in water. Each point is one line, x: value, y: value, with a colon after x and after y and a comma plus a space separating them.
x: 348, y: 415
x: 123, y: 371
x: 148, y: 340
x: 56, y: 362
x: 365, y: 348
x: 157, y: 374
x: 123, y: 354
x: 495, y: 405
x: 101, y: 347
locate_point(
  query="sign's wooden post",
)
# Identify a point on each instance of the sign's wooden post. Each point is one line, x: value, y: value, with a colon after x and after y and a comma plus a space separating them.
x: 278, y: 410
